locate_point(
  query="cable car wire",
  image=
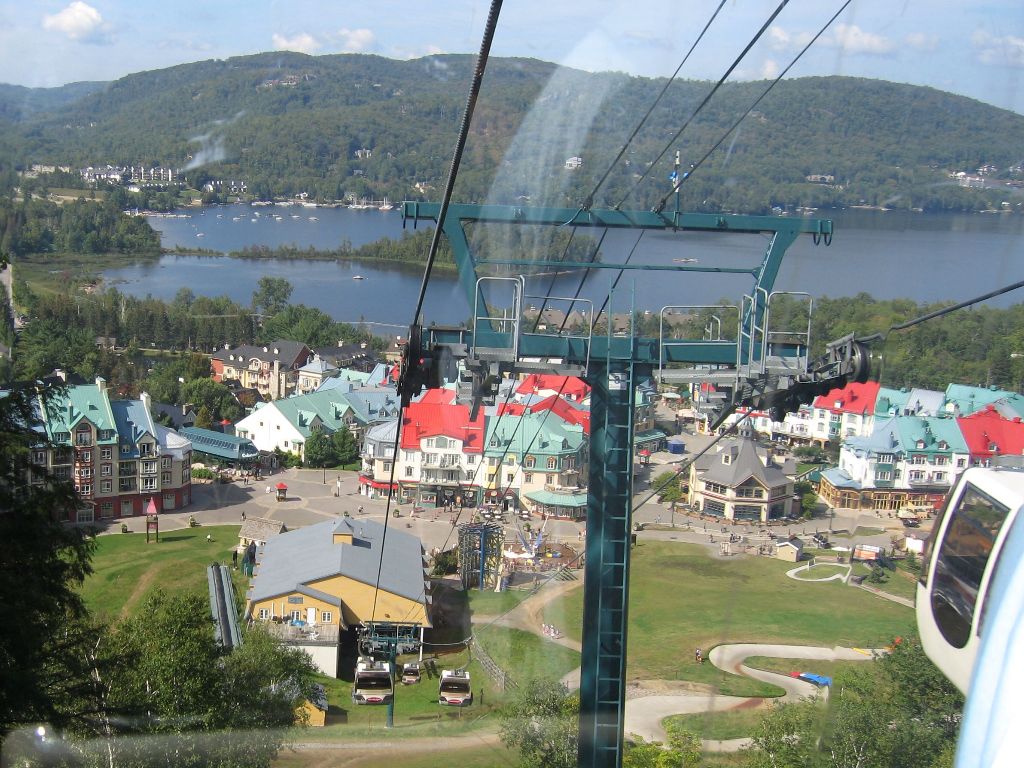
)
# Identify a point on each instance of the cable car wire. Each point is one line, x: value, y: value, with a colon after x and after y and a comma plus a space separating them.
x: 700, y: 107
x: 589, y: 201
x: 474, y: 92
x: 679, y: 182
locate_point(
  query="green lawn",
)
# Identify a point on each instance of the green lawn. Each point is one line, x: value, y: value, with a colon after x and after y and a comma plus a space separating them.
x: 488, y: 603
x: 681, y: 599
x: 814, y: 666
x: 523, y: 655
x: 126, y: 568
x: 730, y: 724
x: 473, y: 755
x: 821, y: 571
x: 862, y: 531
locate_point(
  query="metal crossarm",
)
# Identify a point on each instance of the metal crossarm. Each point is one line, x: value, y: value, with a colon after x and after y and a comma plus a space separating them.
x: 612, y: 365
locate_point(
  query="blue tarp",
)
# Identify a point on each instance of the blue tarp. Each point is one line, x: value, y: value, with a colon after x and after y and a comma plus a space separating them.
x: 820, y: 680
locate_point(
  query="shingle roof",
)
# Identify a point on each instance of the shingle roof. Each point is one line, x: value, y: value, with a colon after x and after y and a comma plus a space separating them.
x: 737, y: 461
x: 309, y: 555
x: 291, y: 354
x: 930, y: 432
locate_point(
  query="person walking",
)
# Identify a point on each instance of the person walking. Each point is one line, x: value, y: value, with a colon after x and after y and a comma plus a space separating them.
x: 698, y: 656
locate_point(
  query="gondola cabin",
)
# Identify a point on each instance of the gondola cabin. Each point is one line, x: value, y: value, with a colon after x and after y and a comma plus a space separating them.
x: 961, y: 560
x: 373, y: 683
x: 455, y: 689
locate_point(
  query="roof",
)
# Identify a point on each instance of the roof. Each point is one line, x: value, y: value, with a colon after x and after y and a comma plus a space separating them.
x: 735, y: 462
x: 965, y: 399
x: 290, y: 354
x: 66, y: 407
x: 218, y: 444
x: 306, y: 556
x: 133, y: 422
x: 927, y: 434
x: 568, y: 386
x: 853, y: 398
x: 261, y: 529
x: 430, y: 419
x: 178, y: 415
x: 171, y: 442
x: 382, y: 433
x: 566, y: 410
x: 885, y: 438
x: 987, y: 433
x: 317, y: 366
x: 838, y: 478
x: 532, y: 434
x: 909, y: 402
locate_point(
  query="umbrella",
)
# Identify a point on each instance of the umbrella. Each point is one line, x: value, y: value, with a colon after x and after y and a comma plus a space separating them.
x: 281, y: 487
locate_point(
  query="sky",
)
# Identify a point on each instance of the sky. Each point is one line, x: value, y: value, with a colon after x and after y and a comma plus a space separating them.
x: 970, y: 47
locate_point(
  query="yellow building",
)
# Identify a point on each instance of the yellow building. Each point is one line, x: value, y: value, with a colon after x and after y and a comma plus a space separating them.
x: 314, y: 583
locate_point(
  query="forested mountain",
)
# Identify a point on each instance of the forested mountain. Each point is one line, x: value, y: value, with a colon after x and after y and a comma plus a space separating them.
x: 288, y: 123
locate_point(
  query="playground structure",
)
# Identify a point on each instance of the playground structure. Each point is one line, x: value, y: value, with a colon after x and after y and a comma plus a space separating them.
x: 480, y: 547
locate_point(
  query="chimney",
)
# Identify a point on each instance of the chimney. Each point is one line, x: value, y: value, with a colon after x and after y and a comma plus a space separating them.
x: 147, y: 401
x: 101, y: 384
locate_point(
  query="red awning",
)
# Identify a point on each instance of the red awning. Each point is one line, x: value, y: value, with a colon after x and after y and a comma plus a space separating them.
x: 281, y: 487
x: 645, y: 452
x: 376, y: 483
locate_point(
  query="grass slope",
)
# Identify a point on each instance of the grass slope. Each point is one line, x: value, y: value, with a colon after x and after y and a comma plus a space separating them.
x: 681, y: 599
x: 126, y: 568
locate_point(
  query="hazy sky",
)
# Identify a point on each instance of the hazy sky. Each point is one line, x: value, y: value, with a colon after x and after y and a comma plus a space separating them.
x: 972, y: 47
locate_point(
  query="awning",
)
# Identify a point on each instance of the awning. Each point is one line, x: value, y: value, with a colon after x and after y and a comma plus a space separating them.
x: 671, y: 396
x: 649, y: 436
x: 380, y: 484
x: 281, y: 487
x: 554, y: 499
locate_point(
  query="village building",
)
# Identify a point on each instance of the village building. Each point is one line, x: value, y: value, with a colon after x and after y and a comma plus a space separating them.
x: 272, y: 370
x: 118, y: 459
x: 734, y: 482
x: 313, y: 584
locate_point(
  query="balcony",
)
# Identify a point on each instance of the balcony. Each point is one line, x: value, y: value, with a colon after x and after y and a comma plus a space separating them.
x: 316, y: 634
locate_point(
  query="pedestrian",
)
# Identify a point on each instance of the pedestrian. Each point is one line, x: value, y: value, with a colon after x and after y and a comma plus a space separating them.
x: 209, y: 537
x: 698, y: 656
x: 234, y: 559
x: 268, y: 489
x: 243, y: 515
x: 360, y: 510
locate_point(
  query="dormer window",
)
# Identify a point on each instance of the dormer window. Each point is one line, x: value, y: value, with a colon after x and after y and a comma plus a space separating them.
x: 943, y: 445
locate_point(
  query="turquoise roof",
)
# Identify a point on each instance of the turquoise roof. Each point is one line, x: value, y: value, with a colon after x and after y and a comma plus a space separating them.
x: 67, y: 407
x: 212, y: 443
x: 553, y: 499
x: 930, y: 432
x: 531, y: 433
x: 330, y: 407
x: 969, y: 399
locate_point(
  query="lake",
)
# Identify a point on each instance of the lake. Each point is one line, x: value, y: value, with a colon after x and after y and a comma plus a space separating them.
x: 885, y: 254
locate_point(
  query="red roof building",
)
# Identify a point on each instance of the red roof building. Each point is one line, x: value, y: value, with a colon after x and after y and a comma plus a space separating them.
x: 433, y: 419
x: 853, y: 398
x: 566, y: 412
x: 545, y: 385
x: 988, y: 434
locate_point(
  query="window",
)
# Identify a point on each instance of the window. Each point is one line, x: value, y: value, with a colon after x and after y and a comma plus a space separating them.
x: 84, y: 472
x: 530, y: 462
x: 961, y: 463
x: 569, y: 462
x: 146, y: 449
x: 165, y: 462
x: 106, y: 486
x: 264, y: 614
x: 85, y: 515
x: 941, y: 461
x: 127, y: 507
x: 83, y: 437
x: 387, y: 466
x: 38, y: 457
x: 85, y: 489
x: 149, y: 467
x: 471, y: 459
x: 106, y: 470
x: 441, y: 442
x: 715, y: 488
x: 917, y: 458
x: 325, y: 617
x: 428, y: 443
x: 916, y: 475
x: 106, y: 453
x: 296, y: 615
x: 149, y: 483
x: 885, y: 458
x: 165, y: 477
x: 169, y: 501
x: 528, y: 477
x: 408, y: 471
x: 510, y: 477
x: 966, y: 547
x: 552, y: 462
x: 107, y: 509
x: 86, y: 456
x: 940, y: 477
x: 883, y: 475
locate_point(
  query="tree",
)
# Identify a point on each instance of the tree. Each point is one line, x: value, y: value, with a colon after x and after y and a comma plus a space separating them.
x: 346, y: 450
x: 319, y: 451
x: 203, y: 418
x: 684, y: 751
x: 271, y: 295
x: 542, y: 723
x: 42, y: 565
x: 898, y: 710
x: 668, y: 486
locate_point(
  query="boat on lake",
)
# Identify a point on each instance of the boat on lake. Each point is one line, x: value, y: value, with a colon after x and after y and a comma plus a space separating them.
x: 358, y: 277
